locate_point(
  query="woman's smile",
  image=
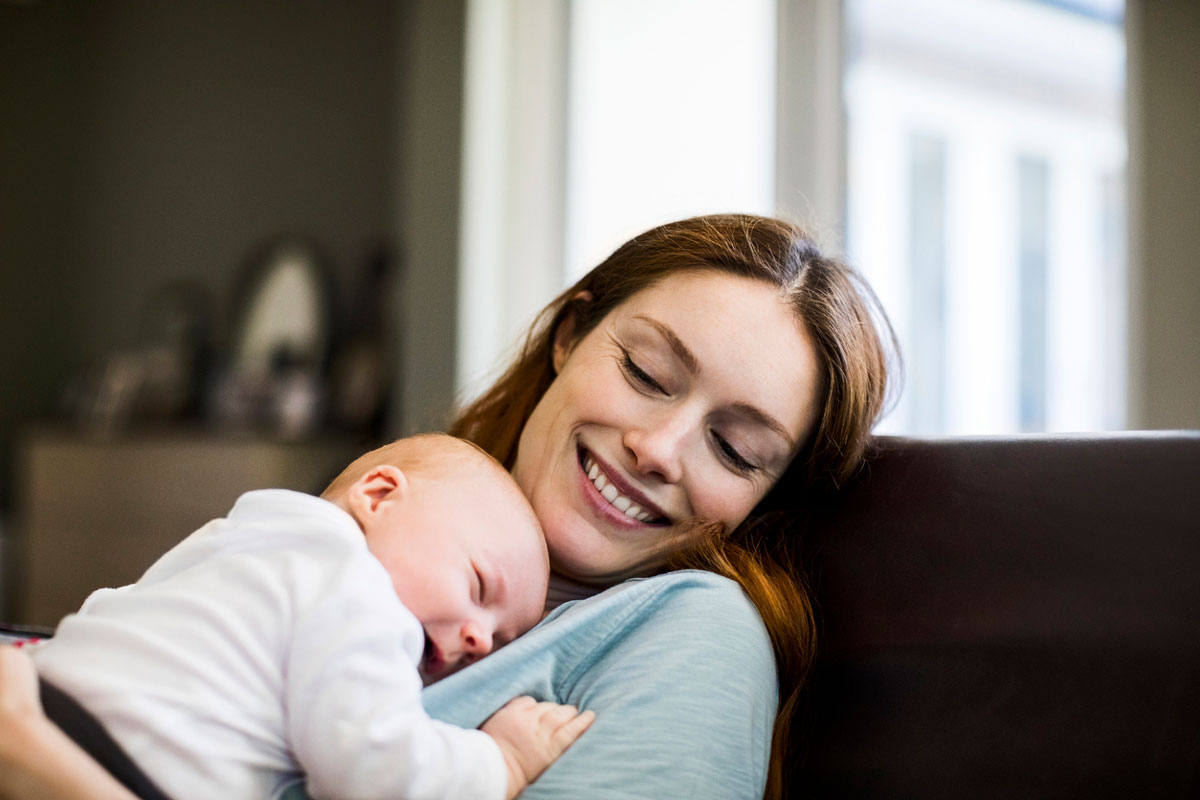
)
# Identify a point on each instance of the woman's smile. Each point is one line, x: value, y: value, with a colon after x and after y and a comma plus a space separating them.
x: 615, y: 497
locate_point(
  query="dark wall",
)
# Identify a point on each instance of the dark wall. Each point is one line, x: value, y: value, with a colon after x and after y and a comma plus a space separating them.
x: 1164, y: 155
x: 432, y: 35
x: 144, y: 142
x: 41, y: 93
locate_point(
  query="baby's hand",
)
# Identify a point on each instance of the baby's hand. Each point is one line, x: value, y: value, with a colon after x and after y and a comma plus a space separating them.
x: 532, y: 736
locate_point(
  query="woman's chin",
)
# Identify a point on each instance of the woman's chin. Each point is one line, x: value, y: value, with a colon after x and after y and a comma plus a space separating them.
x: 602, y: 569
x: 581, y: 572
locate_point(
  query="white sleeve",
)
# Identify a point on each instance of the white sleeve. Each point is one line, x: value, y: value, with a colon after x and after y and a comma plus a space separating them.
x: 355, y: 719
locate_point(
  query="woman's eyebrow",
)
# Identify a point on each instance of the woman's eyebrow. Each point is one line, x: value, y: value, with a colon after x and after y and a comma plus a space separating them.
x: 761, y: 417
x: 754, y: 413
x: 676, y: 344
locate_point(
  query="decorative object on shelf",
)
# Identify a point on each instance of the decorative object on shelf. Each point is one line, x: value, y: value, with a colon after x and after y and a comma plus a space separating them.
x: 361, y: 366
x: 280, y: 342
x: 175, y: 347
x: 160, y: 379
x: 101, y: 395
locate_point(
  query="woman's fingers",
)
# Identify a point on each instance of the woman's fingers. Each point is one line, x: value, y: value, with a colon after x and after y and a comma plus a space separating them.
x: 18, y: 682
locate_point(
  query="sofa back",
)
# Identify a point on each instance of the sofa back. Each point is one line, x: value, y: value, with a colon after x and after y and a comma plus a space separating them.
x: 1009, y: 617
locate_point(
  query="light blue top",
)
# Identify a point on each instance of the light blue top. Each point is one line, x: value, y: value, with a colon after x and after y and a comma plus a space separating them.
x: 679, y: 671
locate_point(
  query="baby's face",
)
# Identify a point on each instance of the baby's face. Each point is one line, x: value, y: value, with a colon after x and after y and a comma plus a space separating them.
x: 467, y: 558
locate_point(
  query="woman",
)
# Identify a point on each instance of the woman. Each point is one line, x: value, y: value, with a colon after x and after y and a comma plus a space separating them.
x: 654, y: 407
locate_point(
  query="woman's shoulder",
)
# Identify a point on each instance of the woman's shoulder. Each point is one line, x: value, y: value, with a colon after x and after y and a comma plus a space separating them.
x: 689, y: 597
x: 682, y: 617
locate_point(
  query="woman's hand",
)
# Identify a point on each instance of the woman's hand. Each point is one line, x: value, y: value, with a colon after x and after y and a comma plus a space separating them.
x: 532, y: 736
x: 18, y: 686
x: 36, y: 758
x: 20, y: 710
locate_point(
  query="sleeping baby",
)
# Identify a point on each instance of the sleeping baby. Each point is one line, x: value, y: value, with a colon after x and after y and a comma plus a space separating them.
x: 295, y: 634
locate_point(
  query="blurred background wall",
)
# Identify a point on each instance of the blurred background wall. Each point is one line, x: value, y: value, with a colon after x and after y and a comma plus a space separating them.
x: 144, y: 142
x: 149, y: 142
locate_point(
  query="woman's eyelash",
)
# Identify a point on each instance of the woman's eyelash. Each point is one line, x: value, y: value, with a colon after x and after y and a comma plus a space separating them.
x: 638, y: 374
x: 733, y: 456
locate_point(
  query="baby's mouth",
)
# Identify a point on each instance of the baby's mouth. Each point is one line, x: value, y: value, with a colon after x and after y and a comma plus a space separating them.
x: 613, y: 495
x: 432, y: 662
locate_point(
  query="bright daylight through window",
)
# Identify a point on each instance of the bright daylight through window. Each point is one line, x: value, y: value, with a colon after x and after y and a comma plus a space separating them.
x: 985, y: 202
x: 977, y: 178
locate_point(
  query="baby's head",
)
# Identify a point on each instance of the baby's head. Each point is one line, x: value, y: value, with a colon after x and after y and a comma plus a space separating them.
x: 462, y: 544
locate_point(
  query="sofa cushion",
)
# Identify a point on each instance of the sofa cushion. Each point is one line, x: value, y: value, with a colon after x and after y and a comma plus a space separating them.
x: 1009, y: 617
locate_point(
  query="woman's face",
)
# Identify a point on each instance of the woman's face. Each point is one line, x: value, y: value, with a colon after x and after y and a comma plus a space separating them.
x: 689, y: 399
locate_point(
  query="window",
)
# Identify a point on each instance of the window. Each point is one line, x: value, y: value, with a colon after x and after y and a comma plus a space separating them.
x: 984, y: 169
x: 671, y: 114
x: 968, y: 155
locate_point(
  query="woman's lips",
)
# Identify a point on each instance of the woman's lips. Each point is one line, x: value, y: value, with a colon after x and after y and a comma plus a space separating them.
x: 614, y: 479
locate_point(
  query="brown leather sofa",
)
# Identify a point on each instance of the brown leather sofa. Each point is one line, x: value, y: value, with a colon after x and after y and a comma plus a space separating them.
x: 1009, y: 617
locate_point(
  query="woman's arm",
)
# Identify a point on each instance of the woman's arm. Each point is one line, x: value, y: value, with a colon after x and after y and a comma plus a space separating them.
x: 36, y: 758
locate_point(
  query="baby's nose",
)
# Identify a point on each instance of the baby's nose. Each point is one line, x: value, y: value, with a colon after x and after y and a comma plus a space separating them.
x: 476, y: 640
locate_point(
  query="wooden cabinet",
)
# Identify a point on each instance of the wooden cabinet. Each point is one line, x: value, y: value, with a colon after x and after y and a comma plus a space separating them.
x: 95, y: 513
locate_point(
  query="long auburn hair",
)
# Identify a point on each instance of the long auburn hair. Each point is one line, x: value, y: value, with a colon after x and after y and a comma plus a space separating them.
x: 855, y: 347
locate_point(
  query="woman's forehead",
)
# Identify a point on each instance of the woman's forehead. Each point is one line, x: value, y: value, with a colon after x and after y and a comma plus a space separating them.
x: 697, y: 301
x: 687, y: 285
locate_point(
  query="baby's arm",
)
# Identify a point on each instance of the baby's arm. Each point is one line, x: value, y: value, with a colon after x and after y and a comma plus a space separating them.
x: 532, y: 736
x: 36, y: 758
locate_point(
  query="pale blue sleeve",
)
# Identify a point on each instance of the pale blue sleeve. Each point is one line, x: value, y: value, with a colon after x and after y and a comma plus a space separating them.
x: 679, y: 671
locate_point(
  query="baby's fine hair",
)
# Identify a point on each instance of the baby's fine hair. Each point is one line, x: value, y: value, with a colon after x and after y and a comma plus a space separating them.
x: 431, y: 454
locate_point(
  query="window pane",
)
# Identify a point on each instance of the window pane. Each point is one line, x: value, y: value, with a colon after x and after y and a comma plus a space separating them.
x: 927, y: 281
x: 985, y: 153
x: 670, y: 114
x: 1033, y: 235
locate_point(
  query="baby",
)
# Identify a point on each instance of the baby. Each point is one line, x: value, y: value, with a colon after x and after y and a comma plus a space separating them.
x: 295, y: 634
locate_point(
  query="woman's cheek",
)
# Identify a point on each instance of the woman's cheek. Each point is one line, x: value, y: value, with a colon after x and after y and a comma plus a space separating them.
x: 724, y: 497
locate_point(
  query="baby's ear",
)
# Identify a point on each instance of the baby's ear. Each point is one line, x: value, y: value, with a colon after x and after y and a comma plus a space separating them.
x: 382, y: 484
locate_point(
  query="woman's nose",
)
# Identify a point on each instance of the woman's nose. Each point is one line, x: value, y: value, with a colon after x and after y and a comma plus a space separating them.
x: 657, y: 444
x: 476, y: 640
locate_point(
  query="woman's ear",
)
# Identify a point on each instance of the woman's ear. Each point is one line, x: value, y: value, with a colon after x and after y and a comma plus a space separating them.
x: 368, y: 496
x: 564, y: 334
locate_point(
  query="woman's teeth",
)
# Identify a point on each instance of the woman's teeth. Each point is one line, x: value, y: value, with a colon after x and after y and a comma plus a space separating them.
x: 610, y: 493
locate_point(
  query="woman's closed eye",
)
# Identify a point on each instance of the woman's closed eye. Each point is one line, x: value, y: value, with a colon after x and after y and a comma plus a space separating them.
x: 639, y: 376
x: 732, y: 457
